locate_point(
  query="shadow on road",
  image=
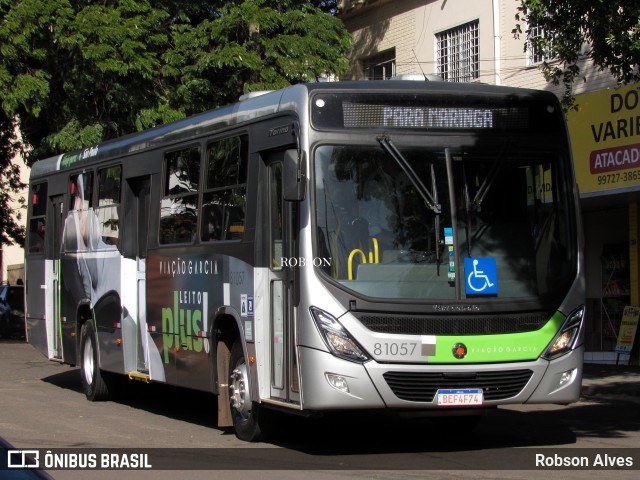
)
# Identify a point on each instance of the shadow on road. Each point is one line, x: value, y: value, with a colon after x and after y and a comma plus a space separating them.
x: 349, y: 433
x: 156, y: 398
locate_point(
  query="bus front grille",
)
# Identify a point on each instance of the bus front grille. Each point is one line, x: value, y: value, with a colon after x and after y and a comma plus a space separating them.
x: 422, y: 386
x: 481, y: 324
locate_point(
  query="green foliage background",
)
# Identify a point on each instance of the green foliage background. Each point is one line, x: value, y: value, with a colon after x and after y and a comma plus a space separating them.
x: 606, y: 32
x: 74, y: 73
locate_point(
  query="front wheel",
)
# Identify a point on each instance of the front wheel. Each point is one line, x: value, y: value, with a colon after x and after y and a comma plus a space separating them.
x: 250, y: 421
x: 93, y: 384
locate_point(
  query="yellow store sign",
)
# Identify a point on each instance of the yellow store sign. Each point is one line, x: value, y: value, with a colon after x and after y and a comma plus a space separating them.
x: 605, y: 139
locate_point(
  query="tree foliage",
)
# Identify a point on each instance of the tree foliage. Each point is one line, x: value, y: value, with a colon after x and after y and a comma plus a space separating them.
x: 604, y: 31
x: 74, y: 73
x: 11, y: 228
x: 254, y: 45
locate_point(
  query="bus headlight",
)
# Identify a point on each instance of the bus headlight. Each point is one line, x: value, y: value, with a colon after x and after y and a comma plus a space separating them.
x: 336, y: 337
x: 565, y: 340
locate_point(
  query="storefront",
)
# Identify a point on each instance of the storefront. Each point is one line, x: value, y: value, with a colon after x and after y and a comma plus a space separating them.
x: 605, y: 136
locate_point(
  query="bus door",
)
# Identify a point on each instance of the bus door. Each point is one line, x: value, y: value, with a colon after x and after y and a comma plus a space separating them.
x: 283, y: 360
x: 133, y: 296
x: 140, y: 190
x: 37, y: 265
x: 52, y: 286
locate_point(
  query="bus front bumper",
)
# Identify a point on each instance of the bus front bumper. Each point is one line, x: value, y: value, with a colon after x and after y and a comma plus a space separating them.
x: 329, y: 383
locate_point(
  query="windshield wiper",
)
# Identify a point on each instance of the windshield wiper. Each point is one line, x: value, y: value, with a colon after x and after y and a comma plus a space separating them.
x: 476, y: 203
x: 430, y: 199
x: 424, y: 192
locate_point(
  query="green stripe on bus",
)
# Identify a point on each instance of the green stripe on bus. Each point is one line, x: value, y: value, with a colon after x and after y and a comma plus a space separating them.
x: 515, y: 347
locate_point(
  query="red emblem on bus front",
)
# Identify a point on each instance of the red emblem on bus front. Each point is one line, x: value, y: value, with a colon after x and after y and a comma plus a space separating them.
x: 459, y: 350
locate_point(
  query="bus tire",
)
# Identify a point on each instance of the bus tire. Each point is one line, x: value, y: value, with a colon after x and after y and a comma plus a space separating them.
x: 250, y: 421
x: 93, y: 383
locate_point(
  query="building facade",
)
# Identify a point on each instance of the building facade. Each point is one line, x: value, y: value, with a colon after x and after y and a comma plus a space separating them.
x: 473, y: 41
x: 460, y: 40
x: 12, y: 256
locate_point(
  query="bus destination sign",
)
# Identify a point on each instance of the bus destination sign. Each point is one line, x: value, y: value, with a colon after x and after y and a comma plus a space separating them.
x: 418, y: 117
x: 429, y: 117
x: 416, y: 112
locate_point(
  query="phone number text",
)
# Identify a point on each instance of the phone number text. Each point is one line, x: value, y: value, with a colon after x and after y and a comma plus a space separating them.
x: 611, y: 178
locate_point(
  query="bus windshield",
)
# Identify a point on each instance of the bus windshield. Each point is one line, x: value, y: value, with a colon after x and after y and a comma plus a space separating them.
x: 414, y: 222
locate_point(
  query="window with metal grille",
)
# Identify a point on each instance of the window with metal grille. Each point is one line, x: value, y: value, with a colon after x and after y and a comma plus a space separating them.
x: 458, y: 53
x: 539, y: 46
x: 381, y: 66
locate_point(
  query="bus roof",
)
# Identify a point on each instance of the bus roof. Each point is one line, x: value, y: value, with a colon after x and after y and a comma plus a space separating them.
x: 269, y: 103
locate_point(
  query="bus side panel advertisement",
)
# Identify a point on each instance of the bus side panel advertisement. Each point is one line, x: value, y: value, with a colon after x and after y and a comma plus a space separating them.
x: 183, y: 295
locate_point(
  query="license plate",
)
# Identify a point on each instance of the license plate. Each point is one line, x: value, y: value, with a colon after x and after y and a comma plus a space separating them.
x: 459, y: 398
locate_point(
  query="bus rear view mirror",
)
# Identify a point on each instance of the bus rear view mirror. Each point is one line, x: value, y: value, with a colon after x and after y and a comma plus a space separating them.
x: 293, y: 176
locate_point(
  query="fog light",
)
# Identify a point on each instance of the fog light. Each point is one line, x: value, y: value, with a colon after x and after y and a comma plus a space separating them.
x: 338, y: 382
x: 567, y: 377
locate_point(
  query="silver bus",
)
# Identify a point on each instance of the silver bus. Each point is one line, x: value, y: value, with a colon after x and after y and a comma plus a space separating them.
x: 402, y: 246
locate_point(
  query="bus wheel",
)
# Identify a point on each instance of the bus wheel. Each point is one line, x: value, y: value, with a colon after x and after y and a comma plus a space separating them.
x: 249, y: 420
x: 93, y: 383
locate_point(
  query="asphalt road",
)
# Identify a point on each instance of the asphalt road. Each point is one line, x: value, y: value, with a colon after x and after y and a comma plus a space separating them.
x: 42, y: 407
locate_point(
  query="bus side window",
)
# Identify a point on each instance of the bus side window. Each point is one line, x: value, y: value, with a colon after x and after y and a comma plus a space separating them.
x: 38, y: 222
x: 179, y: 204
x: 78, y: 235
x: 107, y: 211
x: 81, y: 192
x: 223, y: 206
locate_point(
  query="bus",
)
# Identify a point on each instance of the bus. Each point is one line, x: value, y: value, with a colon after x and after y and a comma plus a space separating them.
x: 395, y: 246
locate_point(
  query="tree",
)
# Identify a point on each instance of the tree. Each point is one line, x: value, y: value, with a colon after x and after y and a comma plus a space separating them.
x: 74, y: 73
x: 605, y: 31
x: 254, y: 45
x: 11, y: 228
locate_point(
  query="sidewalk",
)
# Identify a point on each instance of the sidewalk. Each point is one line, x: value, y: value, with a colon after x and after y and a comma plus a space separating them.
x: 608, y: 380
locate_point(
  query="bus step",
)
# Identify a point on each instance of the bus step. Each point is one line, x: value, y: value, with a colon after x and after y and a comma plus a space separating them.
x: 142, y: 377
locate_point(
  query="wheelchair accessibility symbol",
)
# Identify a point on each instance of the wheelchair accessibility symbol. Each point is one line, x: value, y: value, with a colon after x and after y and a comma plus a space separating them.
x: 481, y: 275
